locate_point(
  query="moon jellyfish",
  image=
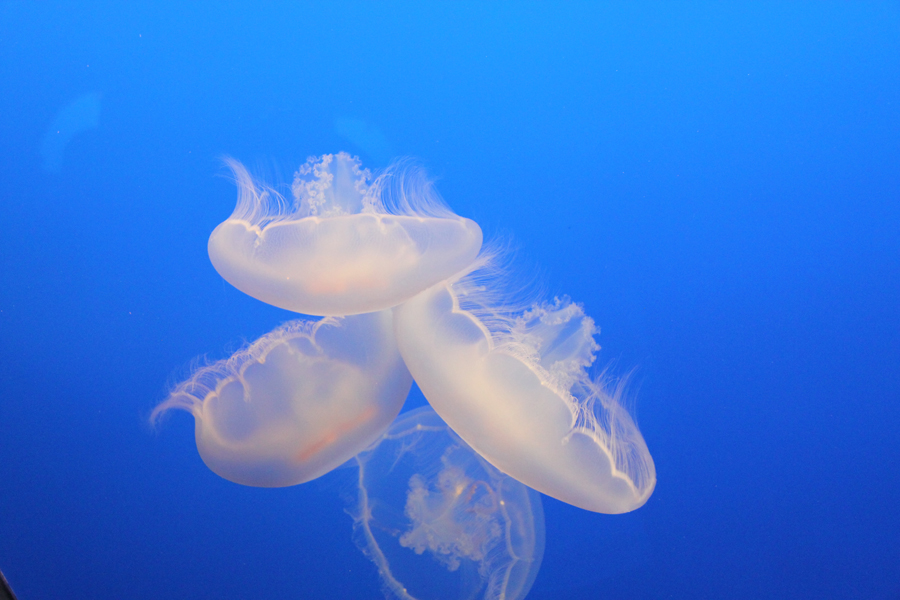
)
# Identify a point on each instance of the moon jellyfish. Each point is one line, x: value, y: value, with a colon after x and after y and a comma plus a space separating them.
x: 297, y: 402
x: 80, y: 115
x: 345, y: 244
x: 514, y: 385
x: 439, y: 521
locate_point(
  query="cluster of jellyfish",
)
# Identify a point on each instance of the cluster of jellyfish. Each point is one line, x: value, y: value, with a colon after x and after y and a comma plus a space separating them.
x: 448, y: 502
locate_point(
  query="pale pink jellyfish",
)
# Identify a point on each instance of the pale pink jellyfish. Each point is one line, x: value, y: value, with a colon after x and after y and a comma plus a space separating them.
x: 297, y: 402
x: 440, y: 522
x: 344, y: 244
x: 514, y: 385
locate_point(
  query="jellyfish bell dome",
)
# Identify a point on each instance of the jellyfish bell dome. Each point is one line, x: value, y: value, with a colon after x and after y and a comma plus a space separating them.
x: 515, y: 387
x: 345, y: 243
x: 439, y: 521
x: 296, y: 403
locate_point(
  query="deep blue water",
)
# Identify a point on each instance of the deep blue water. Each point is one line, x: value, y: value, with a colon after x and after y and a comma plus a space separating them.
x: 717, y: 183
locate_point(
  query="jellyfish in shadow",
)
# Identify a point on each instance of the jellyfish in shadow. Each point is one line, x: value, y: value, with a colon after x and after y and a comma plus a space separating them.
x: 82, y: 114
x: 297, y: 402
x: 345, y: 244
x: 514, y: 384
x: 439, y: 521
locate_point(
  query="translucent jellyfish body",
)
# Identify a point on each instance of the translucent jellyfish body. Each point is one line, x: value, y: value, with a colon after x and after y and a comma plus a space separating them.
x: 297, y: 402
x: 345, y: 244
x: 439, y: 521
x: 516, y: 389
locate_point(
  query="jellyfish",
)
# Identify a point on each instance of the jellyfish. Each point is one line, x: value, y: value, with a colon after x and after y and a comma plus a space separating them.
x: 80, y: 115
x: 346, y: 244
x: 439, y: 521
x: 514, y: 384
x: 297, y: 402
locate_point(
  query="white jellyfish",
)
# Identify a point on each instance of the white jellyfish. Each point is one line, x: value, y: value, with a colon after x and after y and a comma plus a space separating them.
x: 514, y: 385
x: 297, y: 402
x: 439, y: 521
x: 345, y: 244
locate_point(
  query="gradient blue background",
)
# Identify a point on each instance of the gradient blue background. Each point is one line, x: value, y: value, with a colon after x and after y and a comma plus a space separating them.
x: 718, y: 183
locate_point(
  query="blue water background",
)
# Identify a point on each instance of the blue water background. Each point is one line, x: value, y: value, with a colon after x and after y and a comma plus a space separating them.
x: 718, y: 183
